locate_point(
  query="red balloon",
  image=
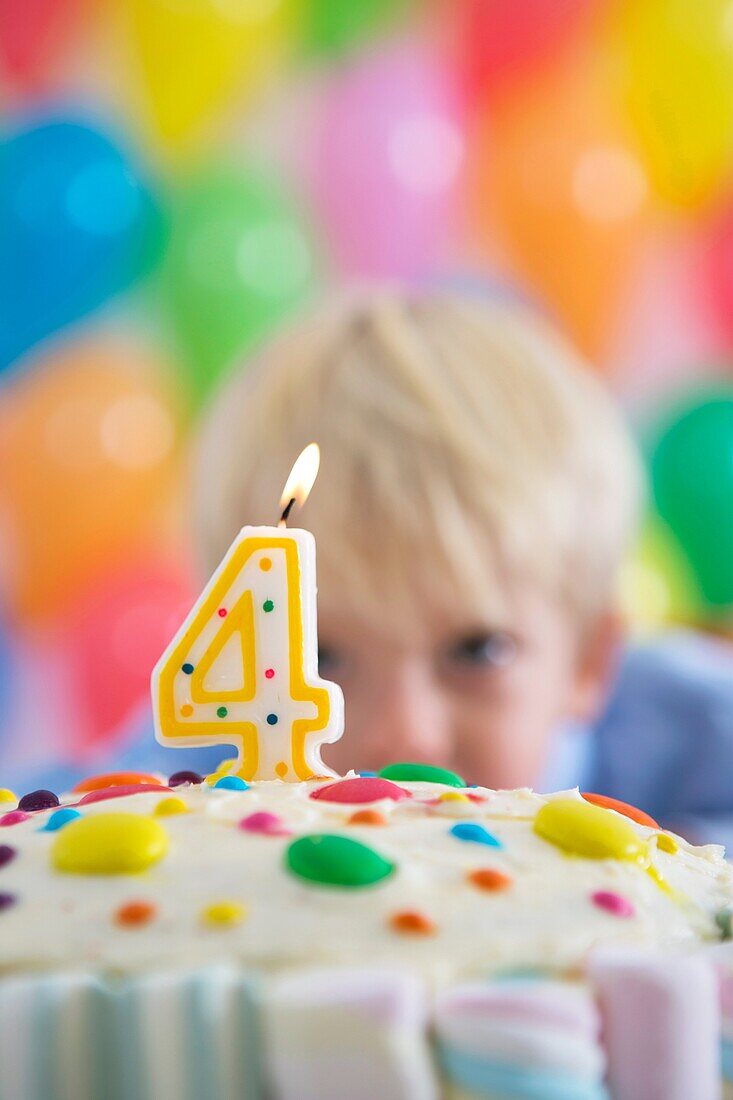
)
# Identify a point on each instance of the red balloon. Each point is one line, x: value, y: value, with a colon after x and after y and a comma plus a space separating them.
x: 114, y: 637
x: 498, y: 38
x: 32, y: 33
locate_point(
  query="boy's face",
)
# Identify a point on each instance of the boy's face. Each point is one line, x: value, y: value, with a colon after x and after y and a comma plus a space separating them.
x: 482, y: 700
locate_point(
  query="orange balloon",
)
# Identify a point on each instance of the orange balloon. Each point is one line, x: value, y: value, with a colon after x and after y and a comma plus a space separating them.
x: 87, y: 456
x: 559, y: 191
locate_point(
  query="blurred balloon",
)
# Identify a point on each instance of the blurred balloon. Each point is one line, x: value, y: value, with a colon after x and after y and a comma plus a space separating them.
x: 389, y: 160
x: 115, y: 632
x: 190, y: 57
x: 87, y: 450
x: 677, y: 63
x: 559, y: 193
x: 332, y: 27
x: 32, y: 33
x: 240, y: 257
x: 718, y: 267
x: 692, y: 479
x: 658, y: 588
x: 500, y: 39
x: 76, y: 226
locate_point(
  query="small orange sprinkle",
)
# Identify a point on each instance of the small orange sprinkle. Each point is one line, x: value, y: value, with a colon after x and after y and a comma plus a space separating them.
x: 186, y: 710
x: 135, y: 913
x: 265, y: 564
x: 486, y: 878
x: 412, y: 922
x: 367, y: 817
x: 115, y: 779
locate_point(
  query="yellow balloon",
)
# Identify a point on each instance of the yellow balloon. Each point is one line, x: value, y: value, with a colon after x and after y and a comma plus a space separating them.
x: 657, y: 585
x: 677, y: 70
x: 192, y: 55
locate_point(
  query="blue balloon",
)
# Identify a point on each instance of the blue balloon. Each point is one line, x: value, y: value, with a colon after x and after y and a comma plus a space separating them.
x: 77, y: 225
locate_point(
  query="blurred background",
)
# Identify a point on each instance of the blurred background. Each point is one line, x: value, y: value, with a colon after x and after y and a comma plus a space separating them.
x: 178, y: 176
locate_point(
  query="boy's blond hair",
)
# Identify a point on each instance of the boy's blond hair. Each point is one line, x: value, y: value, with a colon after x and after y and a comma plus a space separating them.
x: 466, y: 450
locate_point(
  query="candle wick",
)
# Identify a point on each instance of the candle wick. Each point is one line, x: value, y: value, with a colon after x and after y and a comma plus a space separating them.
x: 286, y: 512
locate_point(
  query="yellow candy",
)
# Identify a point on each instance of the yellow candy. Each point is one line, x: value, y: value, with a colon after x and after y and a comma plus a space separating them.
x: 582, y: 829
x: 224, y: 913
x: 453, y: 796
x: 7, y: 795
x: 224, y: 768
x: 169, y: 806
x: 109, y: 844
x: 666, y: 843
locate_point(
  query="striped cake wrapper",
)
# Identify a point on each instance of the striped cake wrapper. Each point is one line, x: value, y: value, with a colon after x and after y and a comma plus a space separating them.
x: 520, y: 1040
x: 158, y: 1037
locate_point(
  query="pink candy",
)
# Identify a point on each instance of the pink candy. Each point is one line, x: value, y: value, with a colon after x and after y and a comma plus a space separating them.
x: 14, y: 817
x: 613, y: 903
x: 265, y: 823
x: 360, y: 789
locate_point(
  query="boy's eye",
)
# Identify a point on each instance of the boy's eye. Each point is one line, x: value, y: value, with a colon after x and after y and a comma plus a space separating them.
x: 493, y: 649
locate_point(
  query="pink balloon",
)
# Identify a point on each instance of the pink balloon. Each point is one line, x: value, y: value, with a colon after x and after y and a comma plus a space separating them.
x: 390, y: 153
x: 112, y: 640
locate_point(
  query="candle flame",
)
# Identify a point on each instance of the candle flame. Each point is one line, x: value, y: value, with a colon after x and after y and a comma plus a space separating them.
x: 300, y: 480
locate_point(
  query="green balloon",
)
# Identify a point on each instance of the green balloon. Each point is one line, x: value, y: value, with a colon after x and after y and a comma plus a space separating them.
x: 332, y: 27
x: 239, y: 259
x: 692, y: 479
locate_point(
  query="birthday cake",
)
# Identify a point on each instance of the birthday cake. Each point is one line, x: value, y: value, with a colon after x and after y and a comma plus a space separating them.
x: 399, y: 935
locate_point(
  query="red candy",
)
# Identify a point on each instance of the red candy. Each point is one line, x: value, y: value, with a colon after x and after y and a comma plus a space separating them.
x: 121, y: 791
x: 361, y: 789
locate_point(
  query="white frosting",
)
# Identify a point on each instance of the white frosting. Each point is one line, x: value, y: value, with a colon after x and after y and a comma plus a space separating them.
x: 545, y: 918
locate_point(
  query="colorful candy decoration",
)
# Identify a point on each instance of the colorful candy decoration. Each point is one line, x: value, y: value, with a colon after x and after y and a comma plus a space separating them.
x: 367, y: 817
x: 121, y: 790
x: 332, y: 860
x: 59, y: 819
x: 7, y: 854
x: 38, y: 800
x: 412, y: 923
x: 185, y: 778
x: 14, y: 817
x: 7, y: 900
x: 613, y: 903
x: 115, y: 779
x: 582, y: 829
x: 231, y: 783
x: 489, y: 879
x: 421, y: 773
x: 78, y: 225
x: 170, y: 807
x: 264, y: 824
x: 223, y: 914
x: 109, y: 844
x: 135, y: 914
x: 608, y: 803
x: 474, y: 833
x: 360, y: 790
x: 6, y: 795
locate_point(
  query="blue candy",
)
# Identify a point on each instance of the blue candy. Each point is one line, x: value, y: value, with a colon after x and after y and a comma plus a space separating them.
x: 59, y: 818
x: 231, y: 783
x: 469, y: 830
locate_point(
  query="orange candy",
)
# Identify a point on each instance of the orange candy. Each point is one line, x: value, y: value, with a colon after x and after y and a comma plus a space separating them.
x: 412, y: 922
x: 607, y: 803
x: 116, y: 779
x: 135, y: 913
x: 486, y: 878
x: 367, y: 817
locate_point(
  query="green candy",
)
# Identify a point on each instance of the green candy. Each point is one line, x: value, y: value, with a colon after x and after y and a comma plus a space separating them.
x: 336, y: 861
x: 421, y: 773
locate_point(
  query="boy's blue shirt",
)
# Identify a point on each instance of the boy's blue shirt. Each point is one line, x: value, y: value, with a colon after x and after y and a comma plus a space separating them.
x: 664, y: 742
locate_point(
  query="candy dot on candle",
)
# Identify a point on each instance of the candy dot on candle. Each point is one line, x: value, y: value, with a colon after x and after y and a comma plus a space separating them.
x: 222, y: 712
x: 187, y: 668
x: 186, y: 710
x: 269, y: 673
x: 222, y: 613
x: 281, y: 769
x: 272, y: 719
x: 265, y: 564
x: 268, y: 605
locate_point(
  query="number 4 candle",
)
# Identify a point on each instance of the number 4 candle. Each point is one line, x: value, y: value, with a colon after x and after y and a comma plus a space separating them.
x: 243, y: 668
